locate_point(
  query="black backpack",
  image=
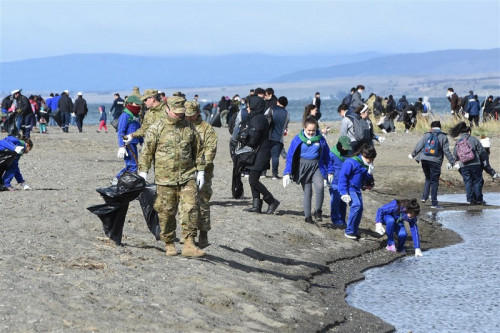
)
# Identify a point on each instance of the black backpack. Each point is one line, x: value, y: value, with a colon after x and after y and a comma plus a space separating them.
x: 361, y: 129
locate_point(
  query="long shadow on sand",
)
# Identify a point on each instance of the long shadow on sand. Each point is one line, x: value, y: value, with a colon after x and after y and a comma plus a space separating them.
x: 230, y: 203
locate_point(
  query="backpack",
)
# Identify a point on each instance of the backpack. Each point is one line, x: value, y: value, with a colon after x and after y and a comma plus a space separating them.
x: 361, y: 129
x: 347, y: 100
x: 400, y: 106
x: 425, y: 109
x: 431, y: 146
x: 465, y: 152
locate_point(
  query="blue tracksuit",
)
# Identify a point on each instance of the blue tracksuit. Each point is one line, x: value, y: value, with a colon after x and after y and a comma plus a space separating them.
x: 338, y: 208
x: 351, y: 178
x: 13, y: 170
x: 394, y: 217
x: 128, y: 123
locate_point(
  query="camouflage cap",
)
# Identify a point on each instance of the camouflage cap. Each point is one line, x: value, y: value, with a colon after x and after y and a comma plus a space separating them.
x: 176, y: 104
x: 191, y: 108
x: 149, y: 93
x: 133, y: 99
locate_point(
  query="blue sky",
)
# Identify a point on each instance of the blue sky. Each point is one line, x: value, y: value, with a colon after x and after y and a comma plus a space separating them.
x: 34, y: 29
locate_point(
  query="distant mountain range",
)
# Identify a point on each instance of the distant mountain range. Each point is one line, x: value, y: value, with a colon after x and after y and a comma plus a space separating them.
x: 116, y: 72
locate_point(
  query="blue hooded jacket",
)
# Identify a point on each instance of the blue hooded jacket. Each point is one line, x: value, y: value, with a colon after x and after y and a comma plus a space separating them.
x: 352, y: 176
x: 392, y: 208
x: 473, y: 107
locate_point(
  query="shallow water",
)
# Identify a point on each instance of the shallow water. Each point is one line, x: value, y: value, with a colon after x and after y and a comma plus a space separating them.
x: 453, y: 289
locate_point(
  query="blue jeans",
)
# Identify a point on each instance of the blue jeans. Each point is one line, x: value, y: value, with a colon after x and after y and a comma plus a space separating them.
x: 355, y: 213
x: 130, y: 164
x: 276, y: 148
x: 392, y: 227
x: 338, y: 208
x: 65, y: 118
x: 473, y: 180
x: 27, y: 124
x: 432, y: 171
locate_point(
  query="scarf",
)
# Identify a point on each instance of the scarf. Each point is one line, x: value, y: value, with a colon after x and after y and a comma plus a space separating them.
x: 360, y: 161
x: 132, y: 117
x: 311, y: 140
x: 135, y: 109
x: 336, y: 152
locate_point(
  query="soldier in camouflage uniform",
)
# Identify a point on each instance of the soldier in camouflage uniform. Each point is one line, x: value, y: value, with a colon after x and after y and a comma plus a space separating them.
x: 209, y: 143
x: 176, y: 148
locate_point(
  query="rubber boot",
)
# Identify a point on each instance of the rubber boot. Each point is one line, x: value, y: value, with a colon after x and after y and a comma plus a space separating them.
x: 170, y: 250
x: 273, y: 204
x: 256, y: 206
x: 203, y: 239
x: 190, y: 250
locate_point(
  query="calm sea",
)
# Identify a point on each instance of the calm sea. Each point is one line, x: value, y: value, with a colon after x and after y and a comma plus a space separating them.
x: 453, y: 289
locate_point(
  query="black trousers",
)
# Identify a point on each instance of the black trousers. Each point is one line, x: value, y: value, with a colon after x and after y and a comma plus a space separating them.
x: 258, y: 188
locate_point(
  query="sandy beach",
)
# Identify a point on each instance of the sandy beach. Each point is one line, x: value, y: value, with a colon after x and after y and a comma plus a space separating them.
x: 265, y: 273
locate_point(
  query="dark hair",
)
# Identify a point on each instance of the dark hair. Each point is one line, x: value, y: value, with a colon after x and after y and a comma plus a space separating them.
x: 410, y: 206
x: 28, y: 142
x: 459, y: 128
x: 436, y: 123
x: 117, y: 95
x: 270, y: 91
x: 162, y: 94
x: 259, y: 91
x: 317, y: 93
x: 341, y: 149
x: 353, y: 89
x: 451, y: 89
x: 360, y: 86
x: 342, y: 107
x: 367, y: 151
x: 307, y: 111
x: 310, y: 120
x: 52, y: 95
x: 420, y: 99
x: 283, y: 101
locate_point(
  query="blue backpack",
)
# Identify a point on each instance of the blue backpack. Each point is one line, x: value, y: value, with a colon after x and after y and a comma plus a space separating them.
x: 431, y: 146
x: 425, y: 108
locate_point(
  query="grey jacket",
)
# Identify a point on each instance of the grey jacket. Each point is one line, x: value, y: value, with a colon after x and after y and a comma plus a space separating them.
x: 477, y: 147
x: 443, y: 149
x: 356, y: 101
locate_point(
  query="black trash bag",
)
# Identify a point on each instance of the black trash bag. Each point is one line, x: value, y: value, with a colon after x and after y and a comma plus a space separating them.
x: 57, y: 118
x: 117, y: 198
x: 6, y: 158
x: 113, y: 219
x: 10, y: 124
x: 216, y: 121
x: 236, y: 184
x: 147, y: 199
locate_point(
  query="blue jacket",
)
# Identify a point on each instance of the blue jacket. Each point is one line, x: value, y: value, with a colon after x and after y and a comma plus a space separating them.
x: 293, y: 158
x: 392, y: 208
x: 54, y: 103
x: 335, y: 166
x: 10, y: 143
x: 126, y: 125
x: 473, y: 107
x: 103, y: 113
x: 352, y: 176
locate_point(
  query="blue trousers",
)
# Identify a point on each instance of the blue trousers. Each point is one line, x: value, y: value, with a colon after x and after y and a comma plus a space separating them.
x: 130, y: 164
x: 11, y: 172
x: 338, y: 208
x: 393, y: 227
x: 65, y: 118
x: 276, y: 148
x: 473, y: 180
x: 355, y: 213
x: 432, y: 171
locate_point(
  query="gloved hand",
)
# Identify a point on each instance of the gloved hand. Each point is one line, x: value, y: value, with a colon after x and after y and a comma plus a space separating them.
x: 200, y: 179
x: 418, y: 253
x: 25, y: 186
x: 286, y: 180
x: 449, y: 166
x: 122, y: 152
x: 379, y: 229
x: 19, y: 150
x: 381, y: 139
x: 143, y: 175
x: 456, y: 166
x: 371, y: 168
x: 127, y: 139
x: 410, y: 157
x: 346, y: 198
x: 73, y: 114
x: 330, y: 178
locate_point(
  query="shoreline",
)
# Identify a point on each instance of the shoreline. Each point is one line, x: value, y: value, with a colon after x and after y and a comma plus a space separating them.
x: 263, y: 273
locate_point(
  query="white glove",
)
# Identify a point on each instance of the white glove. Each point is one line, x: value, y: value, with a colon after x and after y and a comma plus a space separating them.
x: 200, y: 179
x: 128, y: 139
x: 379, y: 229
x: 330, y: 178
x: 449, y: 166
x: 371, y: 168
x: 143, y: 175
x: 122, y: 152
x: 456, y: 166
x: 381, y: 139
x: 346, y: 198
x: 26, y: 186
x: 410, y: 157
x: 286, y: 180
x: 19, y: 149
x: 418, y: 253
x: 73, y: 114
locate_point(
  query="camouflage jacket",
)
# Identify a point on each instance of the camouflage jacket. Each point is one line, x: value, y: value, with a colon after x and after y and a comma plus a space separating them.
x: 208, y: 139
x: 152, y: 116
x: 176, y: 149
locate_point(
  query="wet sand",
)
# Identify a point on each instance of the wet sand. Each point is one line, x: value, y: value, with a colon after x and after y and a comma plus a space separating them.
x: 59, y: 272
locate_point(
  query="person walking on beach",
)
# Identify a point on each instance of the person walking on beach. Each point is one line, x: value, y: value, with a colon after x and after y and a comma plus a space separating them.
x: 393, y: 215
x: 65, y: 105
x: 430, y: 151
x: 356, y: 100
x: 279, y: 125
x: 20, y: 147
x: 473, y: 110
x: 24, y: 111
x: 208, y: 138
x: 468, y: 151
x: 485, y: 159
x: 338, y: 155
x: 317, y: 102
x: 454, y: 103
x: 175, y: 147
x: 356, y: 175
x: 80, y: 110
x: 307, y: 164
x: 102, y: 119
x: 117, y: 107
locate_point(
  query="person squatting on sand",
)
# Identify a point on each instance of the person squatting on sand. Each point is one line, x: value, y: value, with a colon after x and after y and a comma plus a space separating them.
x: 430, y: 151
x: 308, y: 163
x: 338, y: 155
x: 176, y: 149
x: 356, y: 175
x: 469, y: 152
x: 20, y: 147
x: 393, y: 215
x: 208, y: 138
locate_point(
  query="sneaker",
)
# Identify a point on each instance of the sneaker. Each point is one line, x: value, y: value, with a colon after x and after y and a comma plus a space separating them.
x: 309, y: 220
x: 276, y: 176
x: 391, y: 248
x: 318, y: 215
x: 10, y: 188
x: 338, y: 225
x: 98, y: 131
x: 423, y: 200
x: 401, y: 250
x: 350, y: 236
x: 263, y: 175
x: 437, y: 206
x: 384, y: 131
x: 496, y: 175
x: 479, y: 203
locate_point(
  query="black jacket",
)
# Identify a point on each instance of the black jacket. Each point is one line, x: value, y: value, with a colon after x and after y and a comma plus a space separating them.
x: 24, y: 105
x: 258, y: 132
x: 80, y: 107
x: 65, y: 104
x: 7, y: 102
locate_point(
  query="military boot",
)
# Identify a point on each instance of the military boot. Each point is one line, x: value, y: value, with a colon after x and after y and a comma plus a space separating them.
x: 190, y: 250
x: 256, y: 206
x: 203, y: 239
x: 170, y: 250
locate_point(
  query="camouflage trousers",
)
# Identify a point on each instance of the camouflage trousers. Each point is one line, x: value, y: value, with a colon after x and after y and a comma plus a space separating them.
x: 204, y: 195
x: 173, y: 199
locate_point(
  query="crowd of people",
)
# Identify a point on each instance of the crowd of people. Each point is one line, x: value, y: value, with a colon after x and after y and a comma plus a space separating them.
x: 181, y: 147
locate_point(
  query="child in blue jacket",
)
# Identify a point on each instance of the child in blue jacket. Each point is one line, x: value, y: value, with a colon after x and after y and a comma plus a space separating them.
x: 307, y: 163
x: 393, y: 215
x: 128, y: 122
x: 12, y: 171
x: 356, y: 175
x: 338, y: 155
